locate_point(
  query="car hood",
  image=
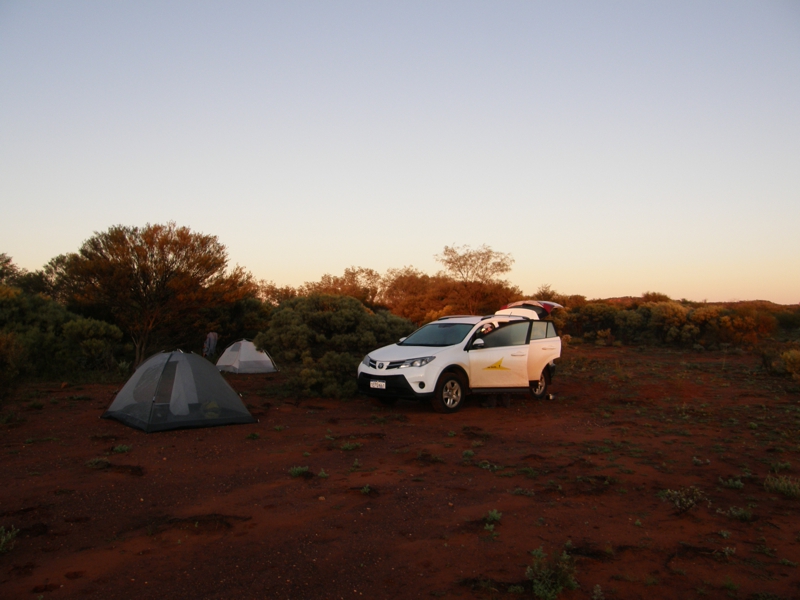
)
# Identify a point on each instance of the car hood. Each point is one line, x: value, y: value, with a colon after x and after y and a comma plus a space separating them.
x: 395, y: 352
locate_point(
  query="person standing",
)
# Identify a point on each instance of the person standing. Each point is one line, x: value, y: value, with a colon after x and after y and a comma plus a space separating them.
x: 210, y: 345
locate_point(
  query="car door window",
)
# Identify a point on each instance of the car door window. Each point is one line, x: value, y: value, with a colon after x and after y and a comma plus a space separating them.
x: 512, y: 334
x: 538, y: 330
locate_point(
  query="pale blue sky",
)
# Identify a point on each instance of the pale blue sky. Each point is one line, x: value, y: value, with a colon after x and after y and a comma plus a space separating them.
x: 612, y: 148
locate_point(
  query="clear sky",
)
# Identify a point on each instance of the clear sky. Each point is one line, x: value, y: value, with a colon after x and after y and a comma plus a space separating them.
x: 611, y: 148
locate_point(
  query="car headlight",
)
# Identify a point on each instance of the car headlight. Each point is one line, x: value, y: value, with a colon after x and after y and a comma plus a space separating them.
x: 416, y: 362
x: 365, y: 362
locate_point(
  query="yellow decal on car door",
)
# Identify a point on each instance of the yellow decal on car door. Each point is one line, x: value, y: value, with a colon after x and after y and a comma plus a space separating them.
x: 498, y: 366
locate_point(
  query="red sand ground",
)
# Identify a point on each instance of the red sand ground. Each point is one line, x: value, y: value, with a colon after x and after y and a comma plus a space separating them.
x: 211, y: 513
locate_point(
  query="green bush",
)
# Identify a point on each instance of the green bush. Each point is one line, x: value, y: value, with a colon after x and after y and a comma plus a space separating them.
x: 550, y: 577
x: 322, y: 338
x: 41, y: 338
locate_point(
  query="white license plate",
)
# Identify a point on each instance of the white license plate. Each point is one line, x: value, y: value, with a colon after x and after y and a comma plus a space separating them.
x: 379, y: 385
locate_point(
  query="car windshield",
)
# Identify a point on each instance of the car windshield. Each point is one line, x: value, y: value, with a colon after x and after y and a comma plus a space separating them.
x: 438, y: 334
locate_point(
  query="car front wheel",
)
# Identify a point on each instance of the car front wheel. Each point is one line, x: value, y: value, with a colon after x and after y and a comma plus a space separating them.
x: 539, y: 388
x: 449, y: 394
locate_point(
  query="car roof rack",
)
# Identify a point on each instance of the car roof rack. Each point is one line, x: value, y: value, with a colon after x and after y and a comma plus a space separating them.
x: 454, y: 317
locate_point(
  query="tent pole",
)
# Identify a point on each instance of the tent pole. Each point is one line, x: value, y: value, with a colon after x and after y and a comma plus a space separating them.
x: 155, y: 391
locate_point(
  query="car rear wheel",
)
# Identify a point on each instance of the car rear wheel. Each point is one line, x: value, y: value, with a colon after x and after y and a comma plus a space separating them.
x: 449, y: 393
x: 539, y: 388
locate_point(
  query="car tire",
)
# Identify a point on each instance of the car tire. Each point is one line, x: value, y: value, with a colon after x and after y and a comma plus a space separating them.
x: 539, y: 388
x: 450, y: 392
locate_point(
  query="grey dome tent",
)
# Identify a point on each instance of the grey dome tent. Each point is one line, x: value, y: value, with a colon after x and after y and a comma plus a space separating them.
x: 173, y: 390
x: 242, y: 357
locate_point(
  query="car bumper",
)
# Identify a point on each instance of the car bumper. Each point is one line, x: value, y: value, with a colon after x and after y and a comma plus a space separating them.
x: 397, y: 386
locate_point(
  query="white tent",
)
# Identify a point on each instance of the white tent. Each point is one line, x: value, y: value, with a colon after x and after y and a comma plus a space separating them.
x: 242, y: 357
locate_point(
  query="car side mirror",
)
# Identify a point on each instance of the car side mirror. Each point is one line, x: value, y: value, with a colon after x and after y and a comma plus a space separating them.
x: 478, y: 344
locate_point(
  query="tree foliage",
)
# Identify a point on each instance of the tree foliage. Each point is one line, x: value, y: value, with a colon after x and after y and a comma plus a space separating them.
x: 482, y: 264
x: 41, y: 338
x: 322, y: 338
x: 158, y: 279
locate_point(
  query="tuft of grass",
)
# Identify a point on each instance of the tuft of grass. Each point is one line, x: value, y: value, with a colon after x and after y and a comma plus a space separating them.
x: 298, y: 471
x: 740, y: 514
x: 493, y: 516
x: 783, y: 484
x: 550, y: 577
x: 467, y: 454
x: 98, y: 463
x: 121, y: 449
x: 684, y: 499
x: 351, y: 446
x: 279, y: 427
x: 7, y: 539
x: 779, y: 466
x: 733, y: 483
x: 253, y: 436
x: 366, y: 490
x: 322, y: 474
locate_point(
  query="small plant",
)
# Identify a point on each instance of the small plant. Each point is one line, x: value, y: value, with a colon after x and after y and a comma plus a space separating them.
x: 698, y: 462
x: 351, y: 446
x: 787, y: 563
x: 516, y: 589
x: 356, y: 466
x: 777, y: 467
x: 494, y: 516
x: 98, y: 463
x: 7, y: 539
x: 298, y: 471
x: 467, y: 454
x: 783, y: 484
x: 550, y: 577
x: 685, y: 499
x: 638, y: 523
x: 522, y: 492
x: 729, y: 585
x: 597, y: 593
x: 279, y: 427
x: 322, y: 474
x: 253, y: 436
x: 727, y: 552
x: 121, y: 449
x: 740, y: 514
x: 451, y: 434
x: 366, y: 490
x: 724, y: 534
x: 36, y: 405
x: 733, y: 483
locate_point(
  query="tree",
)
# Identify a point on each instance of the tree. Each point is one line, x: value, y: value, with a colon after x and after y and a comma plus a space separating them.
x: 9, y: 272
x: 477, y: 273
x: 482, y: 264
x: 357, y: 282
x: 154, y: 279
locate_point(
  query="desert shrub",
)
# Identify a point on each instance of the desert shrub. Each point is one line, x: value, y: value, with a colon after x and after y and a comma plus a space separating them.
x: 685, y: 499
x: 783, y: 484
x: 550, y: 577
x: 791, y: 362
x: 41, y: 338
x: 12, y: 356
x: 7, y: 539
x: 322, y: 339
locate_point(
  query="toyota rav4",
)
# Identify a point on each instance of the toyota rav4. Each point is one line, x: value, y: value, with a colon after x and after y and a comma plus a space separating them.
x: 511, y: 351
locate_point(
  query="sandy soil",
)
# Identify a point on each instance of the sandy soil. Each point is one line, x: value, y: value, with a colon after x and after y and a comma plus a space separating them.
x: 215, y: 513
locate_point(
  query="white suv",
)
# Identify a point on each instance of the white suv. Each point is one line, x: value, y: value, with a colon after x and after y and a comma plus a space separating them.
x: 512, y: 351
